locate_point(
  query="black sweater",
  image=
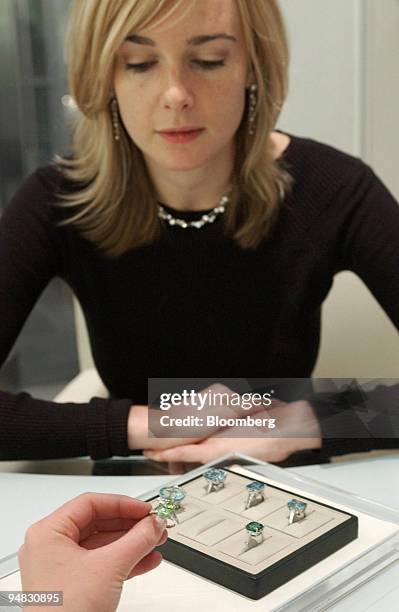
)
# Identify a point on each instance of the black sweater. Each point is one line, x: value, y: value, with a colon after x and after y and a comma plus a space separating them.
x: 193, y: 304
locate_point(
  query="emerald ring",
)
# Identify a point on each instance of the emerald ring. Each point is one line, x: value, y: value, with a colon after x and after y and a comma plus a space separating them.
x: 254, y: 530
x: 215, y: 478
x: 166, y: 509
x: 255, y: 492
x: 297, y: 510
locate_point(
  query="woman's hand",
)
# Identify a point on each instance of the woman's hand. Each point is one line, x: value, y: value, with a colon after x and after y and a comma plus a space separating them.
x: 141, y: 416
x: 138, y: 432
x: 88, y: 547
x: 294, y: 421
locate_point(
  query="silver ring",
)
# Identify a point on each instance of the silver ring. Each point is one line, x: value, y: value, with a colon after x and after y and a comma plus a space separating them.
x: 297, y: 510
x: 166, y: 509
x: 254, y: 530
x: 215, y: 478
x: 255, y: 492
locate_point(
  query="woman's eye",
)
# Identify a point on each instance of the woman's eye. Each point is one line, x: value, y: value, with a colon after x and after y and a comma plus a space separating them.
x: 139, y: 67
x: 206, y: 64
x: 209, y: 65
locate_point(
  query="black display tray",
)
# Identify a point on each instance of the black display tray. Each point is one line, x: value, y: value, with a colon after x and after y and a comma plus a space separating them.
x: 258, y: 585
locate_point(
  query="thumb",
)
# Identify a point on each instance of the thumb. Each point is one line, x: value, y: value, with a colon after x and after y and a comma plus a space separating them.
x: 126, y: 552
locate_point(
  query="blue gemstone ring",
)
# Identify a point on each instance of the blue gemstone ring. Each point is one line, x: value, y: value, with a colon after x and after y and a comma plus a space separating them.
x: 214, y: 478
x: 297, y: 510
x: 173, y: 493
x: 255, y: 491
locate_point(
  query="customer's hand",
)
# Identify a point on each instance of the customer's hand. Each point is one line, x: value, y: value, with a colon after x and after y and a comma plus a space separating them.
x: 143, y: 419
x: 297, y: 428
x: 88, y: 547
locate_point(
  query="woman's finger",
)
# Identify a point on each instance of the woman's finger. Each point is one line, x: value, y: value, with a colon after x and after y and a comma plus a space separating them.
x: 96, y: 540
x: 74, y: 516
x: 99, y: 525
x: 195, y: 453
x: 128, y: 550
x: 150, y: 562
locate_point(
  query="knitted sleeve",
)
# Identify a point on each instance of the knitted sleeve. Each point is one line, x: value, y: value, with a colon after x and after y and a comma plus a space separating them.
x: 30, y: 256
x: 366, y: 217
x: 368, y: 242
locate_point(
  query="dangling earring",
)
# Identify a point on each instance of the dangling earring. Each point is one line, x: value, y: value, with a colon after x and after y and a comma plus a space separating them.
x: 115, y: 119
x: 253, y: 98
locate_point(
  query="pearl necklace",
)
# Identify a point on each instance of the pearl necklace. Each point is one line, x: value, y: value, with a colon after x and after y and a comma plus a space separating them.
x: 208, y: 217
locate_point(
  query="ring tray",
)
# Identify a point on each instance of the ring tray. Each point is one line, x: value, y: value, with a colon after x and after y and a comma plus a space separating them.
x: 211, y: 540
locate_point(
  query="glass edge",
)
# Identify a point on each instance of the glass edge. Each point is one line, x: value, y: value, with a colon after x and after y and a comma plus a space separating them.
x: 8, y: 565
x: 346, y: 580
x: 291, y: 478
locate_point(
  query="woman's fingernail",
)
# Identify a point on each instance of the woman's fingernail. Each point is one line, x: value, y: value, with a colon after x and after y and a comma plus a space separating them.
x: 160, y: 522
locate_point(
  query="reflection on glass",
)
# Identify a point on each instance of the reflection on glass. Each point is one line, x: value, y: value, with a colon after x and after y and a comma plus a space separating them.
x: 33, y: 82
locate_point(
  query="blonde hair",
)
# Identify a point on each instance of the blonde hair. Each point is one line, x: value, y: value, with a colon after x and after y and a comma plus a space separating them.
x: 114, y: 203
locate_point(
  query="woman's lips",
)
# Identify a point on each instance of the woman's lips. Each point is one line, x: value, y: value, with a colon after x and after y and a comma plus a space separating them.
x: 181, y: 137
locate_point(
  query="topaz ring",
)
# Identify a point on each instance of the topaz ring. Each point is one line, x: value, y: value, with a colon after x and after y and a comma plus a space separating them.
x: 215, y: 478
x: 255, y: 492
x: 254, y: 530
x: 173, y: 493
x: 169, y: 503
x: 297, y: 510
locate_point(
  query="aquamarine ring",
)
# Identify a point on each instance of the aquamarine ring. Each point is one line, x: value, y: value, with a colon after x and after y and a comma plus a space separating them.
x: 255, y: 492
x: 215, y: 478
x: 297, y: 510
x: 173, y: 493
x: 254, y: 530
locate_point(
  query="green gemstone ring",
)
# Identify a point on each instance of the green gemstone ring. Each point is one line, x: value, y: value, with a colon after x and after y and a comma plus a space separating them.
x: 166, y: 509
x: 254, y: 530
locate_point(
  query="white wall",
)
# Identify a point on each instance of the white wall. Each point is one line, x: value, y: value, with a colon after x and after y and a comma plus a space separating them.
x: 82, y: 339
x: 345, y: 91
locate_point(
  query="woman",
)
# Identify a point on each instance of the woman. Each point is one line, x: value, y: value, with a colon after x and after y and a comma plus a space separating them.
x: 210, y: 251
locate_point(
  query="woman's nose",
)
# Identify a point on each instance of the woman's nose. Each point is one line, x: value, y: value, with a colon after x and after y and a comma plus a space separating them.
x: 177, y: 90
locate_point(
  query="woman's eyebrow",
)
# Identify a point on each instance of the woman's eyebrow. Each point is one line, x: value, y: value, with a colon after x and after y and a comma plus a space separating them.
x: 196, y: 40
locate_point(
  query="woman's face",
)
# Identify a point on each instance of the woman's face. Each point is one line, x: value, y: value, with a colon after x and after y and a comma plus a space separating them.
x: 185, y: 84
